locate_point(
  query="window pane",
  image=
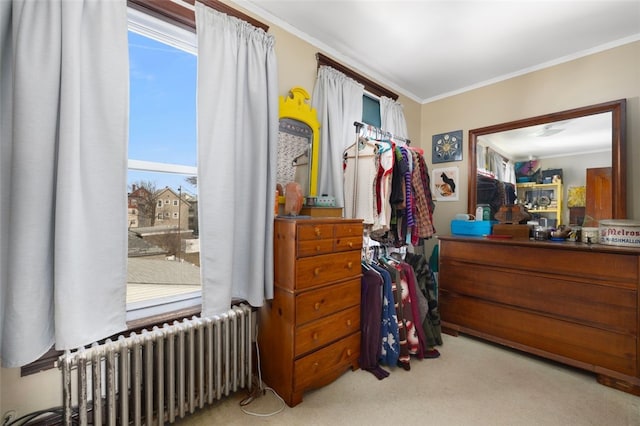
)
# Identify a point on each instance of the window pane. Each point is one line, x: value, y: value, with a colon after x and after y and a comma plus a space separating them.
x: 164, y: 249
x: 371, y: 111
x: 163, y: 97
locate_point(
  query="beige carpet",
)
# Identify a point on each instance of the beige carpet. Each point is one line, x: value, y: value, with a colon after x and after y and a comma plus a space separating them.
x: 472, y: 383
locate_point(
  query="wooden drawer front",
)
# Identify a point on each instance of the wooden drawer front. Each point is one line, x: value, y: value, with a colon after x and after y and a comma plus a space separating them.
x: 319, y: 333
x: 315, y: 231
x: 606, y: 306
x: 348, y: 243
x: 313, y: 271
x: 314, y: 247
x: 590, y: 345
x: 574, y: 263
x: 323, y: 366
x: 316, y: 304
x: 349, y: 230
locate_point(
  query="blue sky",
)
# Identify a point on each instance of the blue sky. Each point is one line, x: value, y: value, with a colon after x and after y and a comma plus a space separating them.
x: 162, y: 124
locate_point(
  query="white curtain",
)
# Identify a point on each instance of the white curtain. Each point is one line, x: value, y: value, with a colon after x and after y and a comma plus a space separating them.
x: 63, y: 161
x: 237, y: 142
x: 338, y: 101
x: 392, y: 117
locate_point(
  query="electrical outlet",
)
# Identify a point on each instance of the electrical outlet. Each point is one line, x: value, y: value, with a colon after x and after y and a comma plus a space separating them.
x: 8, y: 417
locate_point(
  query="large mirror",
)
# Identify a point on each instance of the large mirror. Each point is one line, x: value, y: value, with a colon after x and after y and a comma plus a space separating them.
x: 551, y: 161
x: 298, y: 142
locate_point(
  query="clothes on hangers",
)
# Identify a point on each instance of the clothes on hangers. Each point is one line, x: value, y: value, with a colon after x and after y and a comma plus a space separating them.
x: 387, y: 188
x: 370, y: 329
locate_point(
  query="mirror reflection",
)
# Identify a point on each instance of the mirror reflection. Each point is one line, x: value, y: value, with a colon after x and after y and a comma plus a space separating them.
x: 565, y: 168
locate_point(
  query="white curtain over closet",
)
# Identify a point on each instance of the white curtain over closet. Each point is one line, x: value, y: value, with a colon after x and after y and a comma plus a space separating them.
x: 63, y: 166
x: 338, y: 101
x: 392, y: 117
x: 237, y: 141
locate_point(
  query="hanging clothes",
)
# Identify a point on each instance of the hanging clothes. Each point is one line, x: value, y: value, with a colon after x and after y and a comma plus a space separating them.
x: 370, y: 314
x: 390, y: 341
x: 404, y: 357
x: 360, y: 171
x: 387, y: 184
x: 424, y: 205
x: 427, y: 286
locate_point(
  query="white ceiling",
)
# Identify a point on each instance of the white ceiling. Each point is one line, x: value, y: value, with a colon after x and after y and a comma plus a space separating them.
x: 431, y: 49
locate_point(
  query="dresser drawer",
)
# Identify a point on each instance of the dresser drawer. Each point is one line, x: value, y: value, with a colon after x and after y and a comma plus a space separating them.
x: 315, y: 231
x: 325, y: 301
x: 320, y: 367
x: 313, y: 271
x: 314, y: 247
x: 348, y: 243
x: 349, y: 230
x: 319, y: 333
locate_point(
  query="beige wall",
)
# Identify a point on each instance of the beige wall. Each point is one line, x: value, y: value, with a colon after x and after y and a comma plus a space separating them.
x: 605, y: 76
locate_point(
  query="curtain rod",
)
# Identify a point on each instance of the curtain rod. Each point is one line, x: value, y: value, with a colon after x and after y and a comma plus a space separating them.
x: 182, y: 11
x: 383, y: 133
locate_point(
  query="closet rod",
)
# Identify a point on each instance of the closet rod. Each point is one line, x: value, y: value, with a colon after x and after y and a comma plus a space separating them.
x: 383, y: 133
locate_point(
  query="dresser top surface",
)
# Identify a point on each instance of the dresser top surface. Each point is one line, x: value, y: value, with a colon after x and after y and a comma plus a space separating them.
x: 559, y: 245
x: 320, y: 220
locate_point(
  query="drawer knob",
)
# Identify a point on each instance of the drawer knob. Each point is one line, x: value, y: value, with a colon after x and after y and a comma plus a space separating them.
x: 317, y: 231
x: 350, y: 265
x: 315, y: 336
x: 317, y: 248
x: 317, y: 306
x: 349, y: 323
x: 316, y: 271
x: 350, y: 244
x: 349, y: 352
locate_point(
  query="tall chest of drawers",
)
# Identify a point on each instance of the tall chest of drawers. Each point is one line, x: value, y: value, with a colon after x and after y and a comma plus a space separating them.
x: 309, y: 334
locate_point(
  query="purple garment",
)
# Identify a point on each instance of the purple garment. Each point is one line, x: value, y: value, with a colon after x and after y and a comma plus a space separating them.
x: 408, y: 192
x: 370, y: 313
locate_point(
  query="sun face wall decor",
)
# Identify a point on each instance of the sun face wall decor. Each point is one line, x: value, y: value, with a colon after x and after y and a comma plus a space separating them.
x: 447, y: 147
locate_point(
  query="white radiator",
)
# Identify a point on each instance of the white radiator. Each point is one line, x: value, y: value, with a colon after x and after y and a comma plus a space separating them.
x: 158, y: 376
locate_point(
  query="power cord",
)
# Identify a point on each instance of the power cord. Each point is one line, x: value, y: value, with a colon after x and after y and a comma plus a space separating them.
x: 28, y: 418
x: 260, y: 391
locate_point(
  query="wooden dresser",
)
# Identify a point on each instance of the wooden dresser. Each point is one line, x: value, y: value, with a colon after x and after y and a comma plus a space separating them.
x: 309, y: 334
x: 570, y: 302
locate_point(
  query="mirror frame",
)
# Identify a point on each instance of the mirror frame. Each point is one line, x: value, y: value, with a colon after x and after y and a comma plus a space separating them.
x: 618, y: 148
x: 297, y: 107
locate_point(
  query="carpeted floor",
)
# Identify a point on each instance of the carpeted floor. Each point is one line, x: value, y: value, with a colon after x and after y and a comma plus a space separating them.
x: 472, y: 383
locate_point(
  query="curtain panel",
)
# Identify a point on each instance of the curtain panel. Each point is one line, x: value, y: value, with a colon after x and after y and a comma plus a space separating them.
x: 237, y: 105
x: 63, y: 162
x: 392, y: 117
x: 338, y: 101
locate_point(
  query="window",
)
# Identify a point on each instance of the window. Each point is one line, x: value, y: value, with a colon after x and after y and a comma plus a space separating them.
x: 162, y: 166
x: 371, y: 111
